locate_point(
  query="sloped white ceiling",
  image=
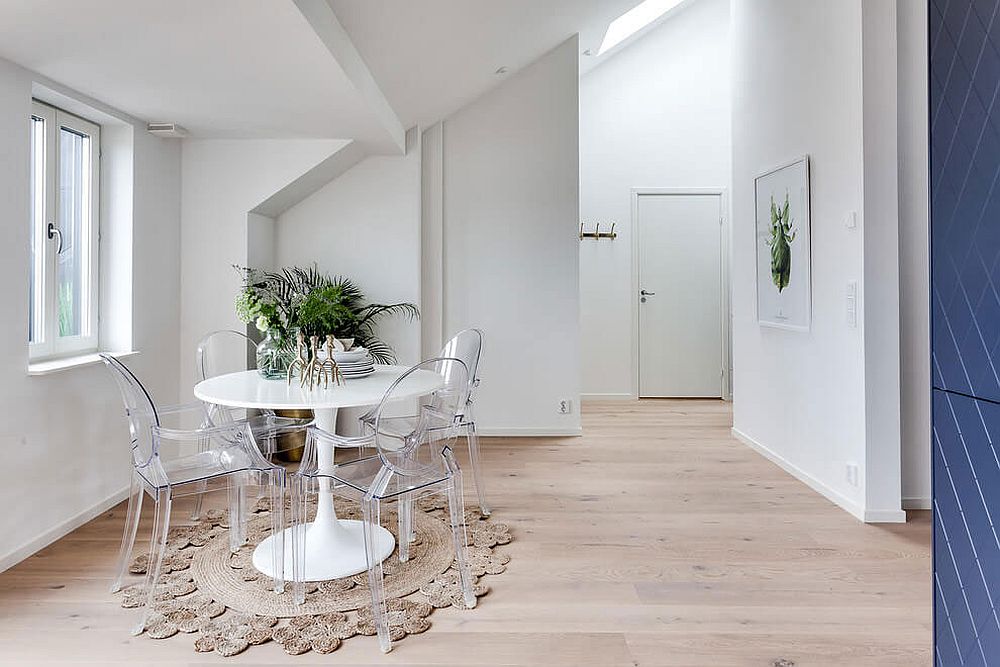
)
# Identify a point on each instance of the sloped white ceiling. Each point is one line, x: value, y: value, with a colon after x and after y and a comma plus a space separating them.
x: 257, y: 69
x: 431, y: 57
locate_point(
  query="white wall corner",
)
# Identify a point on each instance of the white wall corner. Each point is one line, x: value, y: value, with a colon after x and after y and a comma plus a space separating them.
x: 914, y: 251
x: 880, y: 234
x: 432, y: 259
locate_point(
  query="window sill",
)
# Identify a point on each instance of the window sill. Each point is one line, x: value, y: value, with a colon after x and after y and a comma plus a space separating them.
x: 50, y: 366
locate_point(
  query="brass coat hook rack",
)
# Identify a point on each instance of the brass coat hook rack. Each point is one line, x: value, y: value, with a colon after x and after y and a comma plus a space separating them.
x: 597, y: 233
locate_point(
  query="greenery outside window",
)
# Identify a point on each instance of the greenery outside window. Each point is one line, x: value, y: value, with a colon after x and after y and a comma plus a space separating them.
x: 64, y: 218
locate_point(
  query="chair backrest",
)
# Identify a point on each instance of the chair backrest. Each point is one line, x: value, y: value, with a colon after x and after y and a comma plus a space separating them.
x: 225, y: 351
x: 416, y: 450
x: 139, y: 409
x: 466, y: 346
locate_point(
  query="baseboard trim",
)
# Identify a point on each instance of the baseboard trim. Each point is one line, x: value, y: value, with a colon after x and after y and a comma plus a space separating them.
x: 12, y: 558
x: 917, y: 504
x: 608, y: 397
x: 885, y: 516
x: 528, y: 431
x: 816, y: 485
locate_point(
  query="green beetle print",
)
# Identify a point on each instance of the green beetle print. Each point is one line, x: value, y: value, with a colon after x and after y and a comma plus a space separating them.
x: 780, y: 243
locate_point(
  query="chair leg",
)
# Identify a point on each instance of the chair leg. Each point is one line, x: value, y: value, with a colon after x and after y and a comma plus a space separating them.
x: 276, y: 482
x: 199, y: 500
x: 131, y: 525
x: 370, y: 509
x: 456, y: 507
x: 405, y: 526
x: 477, y: 475
x: 270, y: 445
x: 157, y: 547
x: 300, y: 498
x: 237, y: 511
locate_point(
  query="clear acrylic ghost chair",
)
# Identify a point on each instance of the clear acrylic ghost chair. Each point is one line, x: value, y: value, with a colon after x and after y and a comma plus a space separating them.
x: 467, y: 346
x: 227, y: 351
x: 419, y: 460
x: 226, y: 452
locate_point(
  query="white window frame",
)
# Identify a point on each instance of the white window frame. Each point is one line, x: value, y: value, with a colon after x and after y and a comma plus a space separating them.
x: 52, y: 345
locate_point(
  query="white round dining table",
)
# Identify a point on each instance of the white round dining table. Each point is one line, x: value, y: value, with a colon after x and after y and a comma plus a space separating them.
x: 335, y: 547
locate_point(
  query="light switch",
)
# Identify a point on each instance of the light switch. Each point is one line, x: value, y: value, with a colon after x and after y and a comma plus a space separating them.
x: 852, y: 304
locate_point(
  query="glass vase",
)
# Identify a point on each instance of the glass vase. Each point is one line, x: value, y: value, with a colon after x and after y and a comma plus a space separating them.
x: 274, y: 356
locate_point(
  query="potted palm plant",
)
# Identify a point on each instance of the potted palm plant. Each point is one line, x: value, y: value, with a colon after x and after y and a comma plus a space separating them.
x: 293, y: 299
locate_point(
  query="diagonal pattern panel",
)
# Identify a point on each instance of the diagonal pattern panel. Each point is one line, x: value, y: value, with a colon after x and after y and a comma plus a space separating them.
x: 965, y: 310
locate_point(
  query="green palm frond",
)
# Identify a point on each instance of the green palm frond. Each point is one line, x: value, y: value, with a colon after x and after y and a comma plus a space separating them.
x: 381, y: 352
x: 369, y: 315
x: 341, y: 305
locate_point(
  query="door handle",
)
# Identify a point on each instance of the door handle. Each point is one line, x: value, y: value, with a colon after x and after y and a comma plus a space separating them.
x: 53, y: 231
x: 645, y: 293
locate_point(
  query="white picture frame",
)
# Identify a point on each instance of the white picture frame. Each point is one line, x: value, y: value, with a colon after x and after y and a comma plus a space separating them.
x: 784, y: 276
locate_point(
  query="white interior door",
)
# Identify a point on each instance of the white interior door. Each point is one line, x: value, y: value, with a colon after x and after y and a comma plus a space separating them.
x: 680, y: 295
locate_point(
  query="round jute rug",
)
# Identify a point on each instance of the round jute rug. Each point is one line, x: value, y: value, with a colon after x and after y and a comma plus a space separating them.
x: 221, y: 601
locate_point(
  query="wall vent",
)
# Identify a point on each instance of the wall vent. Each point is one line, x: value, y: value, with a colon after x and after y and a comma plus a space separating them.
x: 170, y: 130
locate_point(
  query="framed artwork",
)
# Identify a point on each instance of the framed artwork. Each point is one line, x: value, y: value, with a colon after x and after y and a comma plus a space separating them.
x: 784, y: 282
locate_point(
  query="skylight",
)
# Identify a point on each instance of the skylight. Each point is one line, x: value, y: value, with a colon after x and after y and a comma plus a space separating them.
x: 635, y: 20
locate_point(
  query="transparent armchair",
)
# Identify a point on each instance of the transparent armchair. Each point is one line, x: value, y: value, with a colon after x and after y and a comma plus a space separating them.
x: 227, y: 351
x: 408, y: 462
x: 467, y: 346
x: 226, y: 453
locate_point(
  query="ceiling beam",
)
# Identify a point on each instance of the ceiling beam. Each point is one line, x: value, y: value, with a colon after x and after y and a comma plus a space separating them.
x: 327, y: 27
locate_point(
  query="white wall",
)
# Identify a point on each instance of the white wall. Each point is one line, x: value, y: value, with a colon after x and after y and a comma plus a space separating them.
x: 365, y: 225
x: 656, y: 114
x: 432, y: 334
x: 510, y: 209
x: 222, y: 181
x: 914, y: 287
x: 880, y: 285
x: 800, y: 397
x: 69, y: 439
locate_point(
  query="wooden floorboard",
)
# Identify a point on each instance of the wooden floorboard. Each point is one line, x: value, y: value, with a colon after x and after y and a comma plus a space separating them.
x: 654, y: 539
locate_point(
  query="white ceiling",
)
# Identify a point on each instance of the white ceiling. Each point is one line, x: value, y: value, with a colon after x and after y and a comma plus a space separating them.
x: 256, y: 68
x: 220, y: 68
x: 431, y: 57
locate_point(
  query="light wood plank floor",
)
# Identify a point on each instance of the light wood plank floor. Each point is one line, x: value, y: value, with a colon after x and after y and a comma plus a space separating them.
x: 655, y: 539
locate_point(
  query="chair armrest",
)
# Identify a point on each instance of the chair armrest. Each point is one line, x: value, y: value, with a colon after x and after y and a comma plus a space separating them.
x: 183, y: 407
x: 319, y: 438
x: 343, y: 440
x: 232, y: 433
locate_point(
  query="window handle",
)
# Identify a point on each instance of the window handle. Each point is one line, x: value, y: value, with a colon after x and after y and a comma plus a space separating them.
x: 54, y: 231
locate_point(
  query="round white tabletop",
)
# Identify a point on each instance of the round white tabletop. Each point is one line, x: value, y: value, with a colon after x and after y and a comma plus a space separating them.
x: 247, y: 389
x: 334, y: 547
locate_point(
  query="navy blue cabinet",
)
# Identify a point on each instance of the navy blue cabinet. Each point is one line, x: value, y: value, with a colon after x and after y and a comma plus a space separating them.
x: 966, y: 544
x: 964, y: 85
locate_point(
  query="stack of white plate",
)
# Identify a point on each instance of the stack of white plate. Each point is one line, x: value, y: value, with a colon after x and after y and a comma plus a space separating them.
x: 354, y: 364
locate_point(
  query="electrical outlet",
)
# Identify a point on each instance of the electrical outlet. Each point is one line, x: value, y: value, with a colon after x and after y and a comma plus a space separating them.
x: 852, y: 474
x: 565, y: 406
